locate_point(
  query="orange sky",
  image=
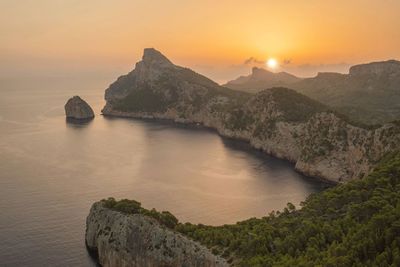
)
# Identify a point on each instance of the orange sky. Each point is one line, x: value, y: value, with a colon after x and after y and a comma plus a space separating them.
x: 213, y: 37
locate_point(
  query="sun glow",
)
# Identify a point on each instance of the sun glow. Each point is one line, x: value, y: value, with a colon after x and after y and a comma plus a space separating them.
x: 272, y: 63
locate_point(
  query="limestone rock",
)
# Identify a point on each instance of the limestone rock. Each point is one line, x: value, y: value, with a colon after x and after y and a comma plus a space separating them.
x: 77, y: 109
x: 136, y: 240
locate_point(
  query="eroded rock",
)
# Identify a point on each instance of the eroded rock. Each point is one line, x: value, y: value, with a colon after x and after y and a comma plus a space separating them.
x: 135, y: 240
x: 77, y: 109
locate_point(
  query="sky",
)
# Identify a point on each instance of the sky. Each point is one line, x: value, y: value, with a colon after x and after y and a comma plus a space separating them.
x: 220, y: 39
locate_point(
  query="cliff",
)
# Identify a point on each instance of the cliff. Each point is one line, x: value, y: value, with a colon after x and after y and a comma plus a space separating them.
x: 279, y: 121
x: 121, y: 239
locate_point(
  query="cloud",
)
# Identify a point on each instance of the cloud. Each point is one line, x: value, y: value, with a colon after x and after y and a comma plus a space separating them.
x: 287, y: 61
x: 253, y: 60
x: 248, y: 61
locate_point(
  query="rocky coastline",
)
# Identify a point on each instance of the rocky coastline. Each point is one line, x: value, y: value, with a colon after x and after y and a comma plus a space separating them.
x: 279, y: 121
x: 350, y: 162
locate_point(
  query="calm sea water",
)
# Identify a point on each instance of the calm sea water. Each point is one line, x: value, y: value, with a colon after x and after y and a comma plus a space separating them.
x: 51, y: 172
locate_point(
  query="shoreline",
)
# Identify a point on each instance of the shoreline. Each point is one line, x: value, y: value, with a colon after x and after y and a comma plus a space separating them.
x: 198, y: 125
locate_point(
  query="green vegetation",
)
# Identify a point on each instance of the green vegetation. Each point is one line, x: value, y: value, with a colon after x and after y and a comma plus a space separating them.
x: 143, y: 100
x: 133, y: 207
x: 353, y: 224
x: 239, y: 120
x: 266, y: 129
x: 296, y: 107
x: 167, y: 92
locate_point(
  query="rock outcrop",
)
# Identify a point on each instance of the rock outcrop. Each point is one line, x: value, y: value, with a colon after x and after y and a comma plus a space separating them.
x: 77, y: 109
x: 135, y: 240
x: 279, y: 121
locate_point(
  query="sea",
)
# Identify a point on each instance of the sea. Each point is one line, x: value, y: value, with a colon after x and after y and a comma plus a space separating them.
x: 51, y: 171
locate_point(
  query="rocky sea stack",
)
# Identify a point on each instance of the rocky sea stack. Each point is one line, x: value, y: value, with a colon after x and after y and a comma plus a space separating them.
x: 77, y: 109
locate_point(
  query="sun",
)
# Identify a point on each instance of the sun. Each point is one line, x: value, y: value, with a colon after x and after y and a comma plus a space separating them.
x: 272, y: 63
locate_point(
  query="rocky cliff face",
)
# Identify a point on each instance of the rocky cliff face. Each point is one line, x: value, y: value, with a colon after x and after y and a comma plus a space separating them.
x: 278, y: 121
x: 140, y: 241
x: 77, y: 109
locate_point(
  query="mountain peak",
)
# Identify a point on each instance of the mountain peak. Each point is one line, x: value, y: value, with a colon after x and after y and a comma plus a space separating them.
x: 260, y: 79
x: 151, y: 55
x: 258, y: 71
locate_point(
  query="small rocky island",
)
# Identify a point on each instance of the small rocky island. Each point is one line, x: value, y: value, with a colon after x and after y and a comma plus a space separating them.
x: 77, y: 109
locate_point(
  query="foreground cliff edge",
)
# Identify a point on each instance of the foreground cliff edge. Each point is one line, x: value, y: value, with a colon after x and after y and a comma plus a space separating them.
x: 351, y: 224
x: 124, y: 234
x: 278, y: 121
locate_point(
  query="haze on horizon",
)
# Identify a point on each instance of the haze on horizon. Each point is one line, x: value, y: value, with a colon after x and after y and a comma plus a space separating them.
x: 221, y: 39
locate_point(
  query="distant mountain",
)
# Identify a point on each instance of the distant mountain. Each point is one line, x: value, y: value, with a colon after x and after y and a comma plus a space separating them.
x: 261, y: 79
x: 279, y: 121
x: 370, y: 93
